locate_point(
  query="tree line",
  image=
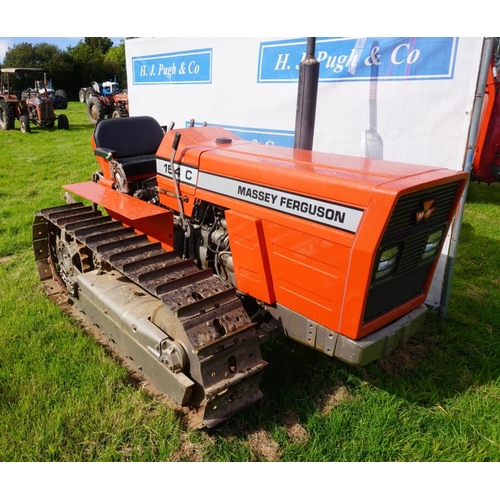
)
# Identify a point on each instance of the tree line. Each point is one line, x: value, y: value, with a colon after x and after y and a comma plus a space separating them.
x: 92, y: 59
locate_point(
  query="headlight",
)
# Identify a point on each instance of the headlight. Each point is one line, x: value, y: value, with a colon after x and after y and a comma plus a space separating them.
x: 432, y: 244
x: 387, y: 262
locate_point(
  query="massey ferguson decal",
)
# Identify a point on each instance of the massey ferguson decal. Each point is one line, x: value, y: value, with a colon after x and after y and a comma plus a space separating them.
x: 323, y: 212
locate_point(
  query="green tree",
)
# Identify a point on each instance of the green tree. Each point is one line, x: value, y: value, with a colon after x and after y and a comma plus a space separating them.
x: 95, y: 59
x: 92, y: 59
x: 51, y: 60
x: 115, y: 65
x: 99, y: 43
x: 88, y: 63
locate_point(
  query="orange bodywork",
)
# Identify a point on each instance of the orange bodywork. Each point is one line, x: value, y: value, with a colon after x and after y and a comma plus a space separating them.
x: 155, y: 222
x: 304, y: 227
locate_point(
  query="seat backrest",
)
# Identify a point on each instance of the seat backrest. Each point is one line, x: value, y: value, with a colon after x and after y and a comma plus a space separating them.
x: 129, y: 136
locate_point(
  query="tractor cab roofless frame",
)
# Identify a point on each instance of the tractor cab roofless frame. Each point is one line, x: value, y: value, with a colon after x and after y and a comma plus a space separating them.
x: 8, y: 71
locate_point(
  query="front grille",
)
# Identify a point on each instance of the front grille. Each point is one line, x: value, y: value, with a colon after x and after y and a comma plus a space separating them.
x: 45, y: 111
x: 411, y: 275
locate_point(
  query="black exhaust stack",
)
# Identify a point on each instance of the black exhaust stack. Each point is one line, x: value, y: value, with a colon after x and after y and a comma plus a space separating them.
x: 306, y: 98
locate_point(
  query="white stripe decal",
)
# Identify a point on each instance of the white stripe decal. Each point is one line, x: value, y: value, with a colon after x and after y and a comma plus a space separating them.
x: 323, y: 212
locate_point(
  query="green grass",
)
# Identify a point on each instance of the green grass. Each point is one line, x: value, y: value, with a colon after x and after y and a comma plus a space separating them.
x: 63, y: 399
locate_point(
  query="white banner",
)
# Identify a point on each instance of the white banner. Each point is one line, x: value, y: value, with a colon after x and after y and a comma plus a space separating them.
x: 403, y: 99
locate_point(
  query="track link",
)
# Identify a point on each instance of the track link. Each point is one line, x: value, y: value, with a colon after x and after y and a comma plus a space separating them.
x: 207, y: 340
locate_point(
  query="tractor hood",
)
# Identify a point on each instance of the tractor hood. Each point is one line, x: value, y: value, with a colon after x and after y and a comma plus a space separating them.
x: 346, y: 179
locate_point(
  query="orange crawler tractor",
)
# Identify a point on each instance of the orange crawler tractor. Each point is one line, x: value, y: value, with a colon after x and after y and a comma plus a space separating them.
x: 209, y: 243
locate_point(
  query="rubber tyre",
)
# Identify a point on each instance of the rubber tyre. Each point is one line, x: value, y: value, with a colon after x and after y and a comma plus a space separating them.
x: 95, y: 110
x: 63, y: 122
x: 81, y: 95
x: 62, y: 99
x: 7, y: 117
x: 24, y: 124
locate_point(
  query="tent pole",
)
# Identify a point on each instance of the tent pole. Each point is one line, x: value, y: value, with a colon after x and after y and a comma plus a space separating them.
x: 488, y: 46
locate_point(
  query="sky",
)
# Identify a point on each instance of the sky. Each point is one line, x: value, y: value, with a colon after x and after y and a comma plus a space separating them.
x: 61, y: 42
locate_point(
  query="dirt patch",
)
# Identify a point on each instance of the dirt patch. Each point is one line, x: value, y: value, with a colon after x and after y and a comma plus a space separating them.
x: 333, y: 398
x: 188, y: 451
x: 406, y: 357
x: 263, y: 447
x: 5, y: 260
x: 295, y: 431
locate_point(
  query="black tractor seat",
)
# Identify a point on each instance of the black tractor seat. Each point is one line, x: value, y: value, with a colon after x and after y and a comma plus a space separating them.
x: 131, y: 141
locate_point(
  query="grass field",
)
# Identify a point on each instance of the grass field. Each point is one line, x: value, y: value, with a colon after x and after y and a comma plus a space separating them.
x: 63, y: 399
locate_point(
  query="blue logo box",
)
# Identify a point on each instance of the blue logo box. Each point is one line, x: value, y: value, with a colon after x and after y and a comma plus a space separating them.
x: 194, y: 66
x: 358, y: 59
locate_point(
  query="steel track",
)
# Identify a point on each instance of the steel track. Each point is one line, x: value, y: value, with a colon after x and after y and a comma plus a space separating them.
x: 210, y: 338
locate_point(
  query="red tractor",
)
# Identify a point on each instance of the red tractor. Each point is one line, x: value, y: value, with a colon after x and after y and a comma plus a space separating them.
x: 105, y: 100
x: 10, y: 107
x: 486, y: 162
x: 58, y: 97
x: 34, y: 107
x: 209, y: 243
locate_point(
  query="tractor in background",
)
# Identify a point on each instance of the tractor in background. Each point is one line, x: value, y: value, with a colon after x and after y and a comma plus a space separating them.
x: 9, y: 103
x: 45, y: 88
x: 104, y: 100
x: 34, y: 107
